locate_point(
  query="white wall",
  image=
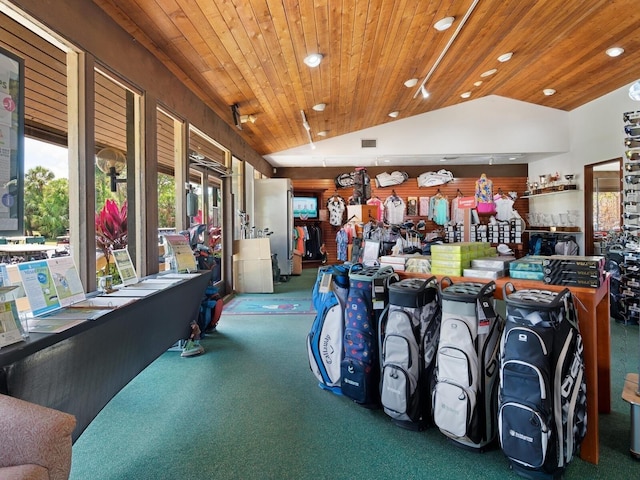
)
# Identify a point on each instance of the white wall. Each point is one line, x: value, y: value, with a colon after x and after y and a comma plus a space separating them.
x: 488, y: 125
x: 596, y: 135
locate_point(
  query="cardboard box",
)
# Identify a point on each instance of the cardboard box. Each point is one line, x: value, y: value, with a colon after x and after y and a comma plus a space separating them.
x: 296, y: 266
x: 419, y: 264
x: 252, y: 276
x: 252, y: 249
x: 437, y: 262
x: 454, y: 272
x: 492, y: 263
x: 483, y: 273
x: 393, y: 260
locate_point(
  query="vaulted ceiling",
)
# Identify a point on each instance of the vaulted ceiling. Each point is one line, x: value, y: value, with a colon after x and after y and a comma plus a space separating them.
x: 250, y: 53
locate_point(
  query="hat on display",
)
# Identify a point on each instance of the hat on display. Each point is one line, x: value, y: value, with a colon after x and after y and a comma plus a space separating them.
x: 504, y: 249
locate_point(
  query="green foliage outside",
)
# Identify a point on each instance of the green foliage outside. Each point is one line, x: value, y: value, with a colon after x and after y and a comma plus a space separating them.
x: 166, y: 201
x: 46, y: 201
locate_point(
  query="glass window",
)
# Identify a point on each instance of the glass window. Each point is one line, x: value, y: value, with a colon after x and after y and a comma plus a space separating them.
x: 116, y: 109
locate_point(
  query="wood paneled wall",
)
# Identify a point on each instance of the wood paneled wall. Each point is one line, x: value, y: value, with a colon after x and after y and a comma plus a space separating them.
x: 325, y: 188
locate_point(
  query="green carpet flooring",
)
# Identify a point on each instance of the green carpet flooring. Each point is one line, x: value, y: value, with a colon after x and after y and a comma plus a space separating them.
x: 249, y: 408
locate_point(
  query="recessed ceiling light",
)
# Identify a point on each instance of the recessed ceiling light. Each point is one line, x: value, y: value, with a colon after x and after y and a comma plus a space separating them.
x: 489, y: 72
x: 478, y: 83
x: 313, y: 59
x: 386, y: 160
x: 322, y: 133
x: 548, y: 91
x: 412, y: 82
x: 443, y: 24
x: 319, y: 107
x: 615, y: 51
x: 465, y: 94
x: 505, y: 57
x: 394, y: 114
x: 443, y: 159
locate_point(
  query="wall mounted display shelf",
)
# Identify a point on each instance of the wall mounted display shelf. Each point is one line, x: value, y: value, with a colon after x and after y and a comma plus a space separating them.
x: 550, y: 191
x: 553, y: 229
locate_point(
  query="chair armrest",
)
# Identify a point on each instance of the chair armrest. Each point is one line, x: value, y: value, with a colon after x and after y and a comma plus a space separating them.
x: 33, y: 434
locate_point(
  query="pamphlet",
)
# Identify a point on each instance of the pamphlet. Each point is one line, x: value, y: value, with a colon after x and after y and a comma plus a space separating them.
x: 125, y: 266
x: 105, y: 302
x: 181, y: 276
x: 11, y: 276
x: 130, y: 292
x: 66, y: 280
x: 179, y: 248
x: 73, y: 314
x: 45, y: 325
x: 39, y: 286
x: 149, y: 284
x: 10, y: 327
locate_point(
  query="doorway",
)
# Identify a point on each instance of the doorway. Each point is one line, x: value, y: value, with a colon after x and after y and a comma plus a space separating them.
x: 602, y: 204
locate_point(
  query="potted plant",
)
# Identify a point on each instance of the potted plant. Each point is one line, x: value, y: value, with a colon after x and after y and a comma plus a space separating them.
x: 111, y: 234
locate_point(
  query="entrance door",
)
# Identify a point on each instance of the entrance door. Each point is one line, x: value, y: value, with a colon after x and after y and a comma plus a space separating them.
x: 603, y: 200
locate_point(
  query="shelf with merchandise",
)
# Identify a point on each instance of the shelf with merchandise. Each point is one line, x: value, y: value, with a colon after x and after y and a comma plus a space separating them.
x: 558, y: 189
x: 553, y: 229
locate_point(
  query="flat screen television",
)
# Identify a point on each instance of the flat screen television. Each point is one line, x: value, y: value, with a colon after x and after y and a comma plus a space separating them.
x: 305, y: 208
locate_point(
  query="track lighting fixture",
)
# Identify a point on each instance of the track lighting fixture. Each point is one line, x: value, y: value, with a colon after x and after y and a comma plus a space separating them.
x: 307, y: 127
x: 248, y: 118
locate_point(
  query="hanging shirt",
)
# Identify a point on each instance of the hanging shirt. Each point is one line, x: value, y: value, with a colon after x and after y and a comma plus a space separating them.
x: 457, y: 213
x: 504, y: 209
x: 424, y: 206
x: 336, y: 206
x: 441, y: 211
x: 376, y: 202
x: 484, y: 190
x: 394, y: 210
x: 342, y: 240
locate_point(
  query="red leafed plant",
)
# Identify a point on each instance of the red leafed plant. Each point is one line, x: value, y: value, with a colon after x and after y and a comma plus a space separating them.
x: 111, y: 229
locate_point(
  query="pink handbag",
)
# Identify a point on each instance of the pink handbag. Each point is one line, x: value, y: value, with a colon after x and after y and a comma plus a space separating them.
x: 486, y: 208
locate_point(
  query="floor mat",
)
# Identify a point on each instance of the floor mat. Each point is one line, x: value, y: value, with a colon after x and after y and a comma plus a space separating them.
x: 268, y: 305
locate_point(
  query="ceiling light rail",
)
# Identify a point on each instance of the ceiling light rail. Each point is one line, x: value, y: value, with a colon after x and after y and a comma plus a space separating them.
x: 307, y: 127
x: 447, y: 46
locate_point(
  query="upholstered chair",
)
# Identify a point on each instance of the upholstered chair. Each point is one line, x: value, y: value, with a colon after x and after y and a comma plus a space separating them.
x: 35, y: 441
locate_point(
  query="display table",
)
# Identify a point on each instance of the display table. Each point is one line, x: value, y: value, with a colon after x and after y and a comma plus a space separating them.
x: 592, y: 306
x: 80, y: 369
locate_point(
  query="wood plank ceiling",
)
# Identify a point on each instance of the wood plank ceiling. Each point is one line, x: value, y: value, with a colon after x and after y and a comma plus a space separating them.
x: 250, y: 53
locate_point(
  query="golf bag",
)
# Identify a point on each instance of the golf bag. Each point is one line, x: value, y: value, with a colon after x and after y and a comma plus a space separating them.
x: 408, y: 336
x: 542, y: 415
x: 465, y: 392
x: 324, y: 342
x: 210, y: 310
x: 360, y: 364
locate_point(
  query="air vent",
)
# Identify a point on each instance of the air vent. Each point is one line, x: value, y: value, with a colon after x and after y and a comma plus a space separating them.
x: 369, y: 143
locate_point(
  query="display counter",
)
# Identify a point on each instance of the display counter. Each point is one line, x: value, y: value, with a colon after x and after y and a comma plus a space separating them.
x: 592, y: 305
x: 80, y: 369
